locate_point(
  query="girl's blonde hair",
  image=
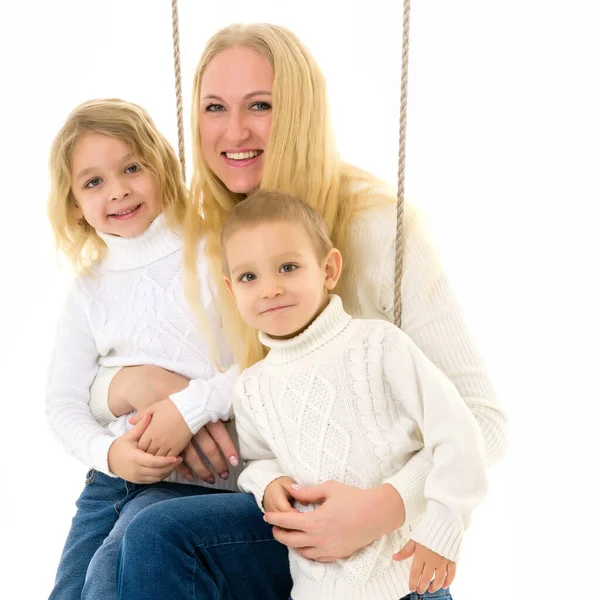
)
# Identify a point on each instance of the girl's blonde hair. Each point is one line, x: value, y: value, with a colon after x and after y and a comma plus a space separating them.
x: 301, y: 158
x: 124, y: 121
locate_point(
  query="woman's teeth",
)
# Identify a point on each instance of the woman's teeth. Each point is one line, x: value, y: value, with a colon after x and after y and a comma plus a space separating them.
x: 242, y: 155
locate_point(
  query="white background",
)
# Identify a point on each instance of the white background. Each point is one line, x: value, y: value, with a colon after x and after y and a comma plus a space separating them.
x: 503, y: 159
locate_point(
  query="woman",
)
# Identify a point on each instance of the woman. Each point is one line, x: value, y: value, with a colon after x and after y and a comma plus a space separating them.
x: 260, y: 119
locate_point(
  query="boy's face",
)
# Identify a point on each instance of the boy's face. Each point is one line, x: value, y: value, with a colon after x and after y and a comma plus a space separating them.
x: 112, y: 191
x: 276, y: 278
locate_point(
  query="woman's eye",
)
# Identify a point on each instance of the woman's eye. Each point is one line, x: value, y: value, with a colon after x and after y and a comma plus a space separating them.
x: 287, y: 268
x: 92, y: 183
x: 247, y: 277
x: 133, y: 169
x: 260, y: 106
x: 214, y: 108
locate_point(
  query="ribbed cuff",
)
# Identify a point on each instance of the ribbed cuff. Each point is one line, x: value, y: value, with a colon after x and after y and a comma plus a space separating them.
x: 195, y: 409
x: 98, y: 451
x: 257, y: 476
x: 99, y: 395
x: 409, y: 482
x: 440, y: 531
x: 204, y: 401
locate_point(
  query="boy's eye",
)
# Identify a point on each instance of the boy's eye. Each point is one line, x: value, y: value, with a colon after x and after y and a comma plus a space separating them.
x: 288, y: 268
x: 247, y: 277
x: 92, y: 183
x: 133, y: 169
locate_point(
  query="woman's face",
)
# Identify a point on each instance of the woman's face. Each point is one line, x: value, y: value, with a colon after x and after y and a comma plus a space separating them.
x: 235, y: 116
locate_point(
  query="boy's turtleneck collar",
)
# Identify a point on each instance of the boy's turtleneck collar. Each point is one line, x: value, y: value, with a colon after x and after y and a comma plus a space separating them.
x: 329, y: 324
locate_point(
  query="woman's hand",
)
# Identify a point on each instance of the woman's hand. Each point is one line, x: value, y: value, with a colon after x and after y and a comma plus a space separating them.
x: 213, y: 442
x: 348, y: 519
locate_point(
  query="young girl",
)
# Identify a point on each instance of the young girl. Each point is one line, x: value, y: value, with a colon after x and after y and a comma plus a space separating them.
x: 116, y: 206
x: 343, y: 399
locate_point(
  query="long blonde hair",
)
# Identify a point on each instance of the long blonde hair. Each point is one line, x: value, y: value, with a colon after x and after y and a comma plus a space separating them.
x: 124, y: 121
x: 301, y: 158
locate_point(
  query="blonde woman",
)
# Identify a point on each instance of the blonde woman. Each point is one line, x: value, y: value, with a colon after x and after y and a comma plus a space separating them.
x: 260, y: 119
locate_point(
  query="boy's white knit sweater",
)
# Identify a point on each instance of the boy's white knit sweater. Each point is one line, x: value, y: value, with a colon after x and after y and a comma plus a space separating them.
x: 131, y: 310
x: 354, y: 401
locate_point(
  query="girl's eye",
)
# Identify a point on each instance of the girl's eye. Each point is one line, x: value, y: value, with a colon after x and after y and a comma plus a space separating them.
x: 92, y: 183
x: 214, y: 108
x: 260, y: 106
x: 133, y: 169
x: 288, y: 268
x: 247, y: 277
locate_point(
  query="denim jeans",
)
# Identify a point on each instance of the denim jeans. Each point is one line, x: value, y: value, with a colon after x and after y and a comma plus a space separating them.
x: 88, y: 565
x: 442, y: 594
x: 212, y: 547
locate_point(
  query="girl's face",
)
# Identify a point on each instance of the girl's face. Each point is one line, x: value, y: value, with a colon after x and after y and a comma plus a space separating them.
x: 113, y: 192
x: 235, y: 116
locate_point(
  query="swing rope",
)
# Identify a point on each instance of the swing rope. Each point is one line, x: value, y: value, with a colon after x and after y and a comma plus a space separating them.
x: 177, y: 66
x: 401, y: 168
x: 401, y: 141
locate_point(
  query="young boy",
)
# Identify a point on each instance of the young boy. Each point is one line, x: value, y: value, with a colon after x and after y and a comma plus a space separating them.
x: 337, y: 398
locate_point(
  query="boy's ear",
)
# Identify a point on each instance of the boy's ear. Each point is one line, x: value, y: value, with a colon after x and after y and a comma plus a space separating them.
x: 333, y: 268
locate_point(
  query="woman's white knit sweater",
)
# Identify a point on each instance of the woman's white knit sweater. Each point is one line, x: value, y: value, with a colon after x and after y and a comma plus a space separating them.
x: 431, y: 317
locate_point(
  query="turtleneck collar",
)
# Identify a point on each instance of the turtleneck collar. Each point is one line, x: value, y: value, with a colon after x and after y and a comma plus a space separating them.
x: 328, y: 325
x: 155, y: 243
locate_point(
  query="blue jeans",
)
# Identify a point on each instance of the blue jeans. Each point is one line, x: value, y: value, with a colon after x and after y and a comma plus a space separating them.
x: 88, y: 565
x: 442, y: 594
x: 213, y: 547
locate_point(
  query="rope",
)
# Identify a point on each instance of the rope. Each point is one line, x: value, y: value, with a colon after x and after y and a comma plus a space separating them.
x: 177, y: 65
x: 401, y: 168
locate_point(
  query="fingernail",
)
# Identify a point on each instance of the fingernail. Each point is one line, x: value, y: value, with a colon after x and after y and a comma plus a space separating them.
x: 296, y: 486
x: 189, y: 477
x: 210, y: 479
x: 224, y: 475
x: 233, y: 460
x: 264, y: 517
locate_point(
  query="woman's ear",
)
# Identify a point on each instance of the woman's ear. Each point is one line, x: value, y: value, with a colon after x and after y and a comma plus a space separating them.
x: 333, y: 268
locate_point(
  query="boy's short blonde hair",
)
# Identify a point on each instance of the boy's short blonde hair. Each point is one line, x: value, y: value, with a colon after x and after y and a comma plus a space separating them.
x: 275, y: 206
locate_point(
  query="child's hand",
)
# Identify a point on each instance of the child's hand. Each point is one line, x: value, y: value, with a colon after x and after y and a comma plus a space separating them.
x: 277, y: 497
x: 426, y: 562
x: 130, y: 463
x: 167, y: 434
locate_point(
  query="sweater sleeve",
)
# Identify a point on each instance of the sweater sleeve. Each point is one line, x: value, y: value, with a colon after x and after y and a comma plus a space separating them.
x: 99, y: 395
x: 454, y: 473
x: 73, y: 366
x: 262, y: 467
x: 207, y: 400
x: 432, y: 318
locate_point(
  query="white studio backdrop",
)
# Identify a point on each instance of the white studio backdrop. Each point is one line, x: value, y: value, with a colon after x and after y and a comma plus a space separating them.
x: 502, y: 160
